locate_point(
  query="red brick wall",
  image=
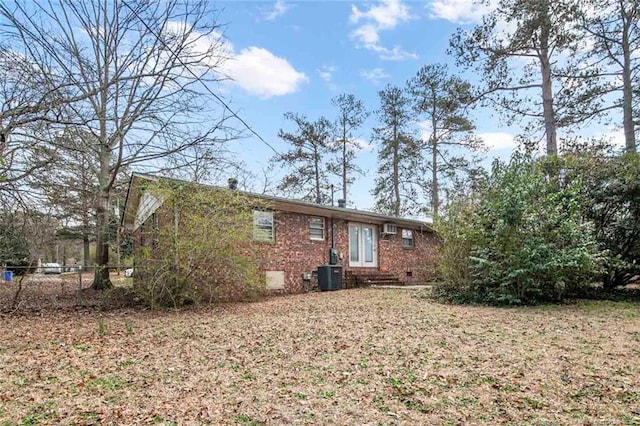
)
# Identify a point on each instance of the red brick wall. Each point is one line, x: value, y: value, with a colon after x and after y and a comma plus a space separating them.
x: 144, y: 235
x: 295, y: 253
x: 293, y: 250
x: 413, y: 265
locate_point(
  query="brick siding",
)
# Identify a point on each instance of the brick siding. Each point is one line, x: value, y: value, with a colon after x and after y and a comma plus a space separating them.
x: 295, y: 253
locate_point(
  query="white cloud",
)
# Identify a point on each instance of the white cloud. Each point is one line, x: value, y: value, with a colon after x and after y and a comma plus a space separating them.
x: 375, y: 75
x: 367, y: 34
x: 425, y: 129
x: 278, y: 9
x: 326, y: 72
x: 496, y: 141
x: 459, y: 11
x: 385, y: 16
x: 395, y: 54
x: 261, y: 73
x: 615, y: 136
x: 362, y: 145
x: 255, y: 70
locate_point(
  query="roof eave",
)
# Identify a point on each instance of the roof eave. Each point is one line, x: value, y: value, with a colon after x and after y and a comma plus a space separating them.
x: 282, y: 204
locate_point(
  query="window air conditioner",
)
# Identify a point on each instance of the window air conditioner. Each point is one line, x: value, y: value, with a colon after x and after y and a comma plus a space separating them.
x: 390, y: 228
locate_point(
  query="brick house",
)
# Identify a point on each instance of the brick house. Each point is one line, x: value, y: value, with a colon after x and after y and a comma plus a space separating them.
x: 294, y: 238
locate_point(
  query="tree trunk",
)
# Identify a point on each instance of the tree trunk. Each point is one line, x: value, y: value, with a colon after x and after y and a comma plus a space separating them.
x: 85, y: 236
x: 118, y: 255
x: 316, y: 158
x: 434, y: 184
x: 396, y: 174
x: 547, y: 90
x: 396, y: 182
x: 344, y: 161
x: 86, y: 254
x: 101, y: 279
x: 176, y: 227
x: 627, y: 90
x: 434, y: 166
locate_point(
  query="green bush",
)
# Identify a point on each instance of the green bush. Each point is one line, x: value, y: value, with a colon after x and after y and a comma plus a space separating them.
x: 522, y: 242
x: 456, y: 232
x: 200, y: 249
x: 611, y: 201
x: 14, y: 249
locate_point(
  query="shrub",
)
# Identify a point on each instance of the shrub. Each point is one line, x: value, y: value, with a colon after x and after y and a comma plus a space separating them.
x: 456, y: 232
x: 201, y: 248
x: 611, y: 201
x: 14, y: 248
x: 523, y: 242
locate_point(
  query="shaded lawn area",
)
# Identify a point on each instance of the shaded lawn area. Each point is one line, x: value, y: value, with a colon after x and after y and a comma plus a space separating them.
x: 350, y: 357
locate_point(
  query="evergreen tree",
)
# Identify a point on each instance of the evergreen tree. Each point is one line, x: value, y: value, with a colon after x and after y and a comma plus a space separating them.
x: 308, y: 159
x: 398, y: 179
x: 519, y: 51
x: 351, y: 116
x: 614, y: 28
x: 442, y: 100
x: 14, y: 249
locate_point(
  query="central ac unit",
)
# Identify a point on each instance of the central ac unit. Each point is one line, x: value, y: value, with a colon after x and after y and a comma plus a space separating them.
x: 390, y: 228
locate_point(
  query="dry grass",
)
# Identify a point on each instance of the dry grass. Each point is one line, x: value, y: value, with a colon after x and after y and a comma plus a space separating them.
x: 350, y: 357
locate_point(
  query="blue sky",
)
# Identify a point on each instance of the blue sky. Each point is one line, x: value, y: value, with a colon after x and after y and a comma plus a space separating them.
x: 295, y: 56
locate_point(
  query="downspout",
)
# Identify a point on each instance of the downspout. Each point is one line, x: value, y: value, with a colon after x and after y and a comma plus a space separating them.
x: 332, y: 250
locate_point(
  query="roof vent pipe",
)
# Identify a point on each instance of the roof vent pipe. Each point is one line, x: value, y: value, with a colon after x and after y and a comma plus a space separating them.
x: 342, y: 203
x: 233, y: 183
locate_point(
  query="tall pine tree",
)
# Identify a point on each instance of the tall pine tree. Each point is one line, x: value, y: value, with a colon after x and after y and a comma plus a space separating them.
x: 611, y: 62
x: 519, y: 52
x: 351, y: 116
x: 398, y: 179
x: 442, y: 101
x: 307, y: 160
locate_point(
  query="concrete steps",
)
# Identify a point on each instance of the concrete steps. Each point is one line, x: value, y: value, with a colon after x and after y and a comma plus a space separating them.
x: 355, y: 279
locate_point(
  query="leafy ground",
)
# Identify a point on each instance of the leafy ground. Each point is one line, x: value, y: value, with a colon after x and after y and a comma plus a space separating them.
x: 56, y: 292
x: 350, y: 357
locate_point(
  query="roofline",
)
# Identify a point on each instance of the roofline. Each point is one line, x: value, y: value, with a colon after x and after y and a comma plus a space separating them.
x: 339, y: 211
x: 126, y: 200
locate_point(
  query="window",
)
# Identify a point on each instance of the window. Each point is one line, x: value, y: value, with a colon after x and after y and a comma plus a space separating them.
x: 407, y: 238
x: 316, y: 228
x: 263, y: 226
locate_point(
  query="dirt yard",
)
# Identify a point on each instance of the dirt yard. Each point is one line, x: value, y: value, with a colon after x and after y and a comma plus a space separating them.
x: 350, y: 357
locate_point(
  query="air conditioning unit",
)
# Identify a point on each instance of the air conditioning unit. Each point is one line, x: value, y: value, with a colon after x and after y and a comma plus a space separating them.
x: 390, y: 228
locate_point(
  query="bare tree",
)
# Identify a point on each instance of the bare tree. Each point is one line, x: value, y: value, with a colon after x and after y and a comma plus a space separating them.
x: 210, y: 163
x: 28, y: 104
x: 142, y: 66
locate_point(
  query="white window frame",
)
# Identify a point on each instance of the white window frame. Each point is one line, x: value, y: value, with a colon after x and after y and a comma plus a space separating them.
x: 312, y: 227
x: 359, y: 243
x: 258, y: 229
x: 410, y: 237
